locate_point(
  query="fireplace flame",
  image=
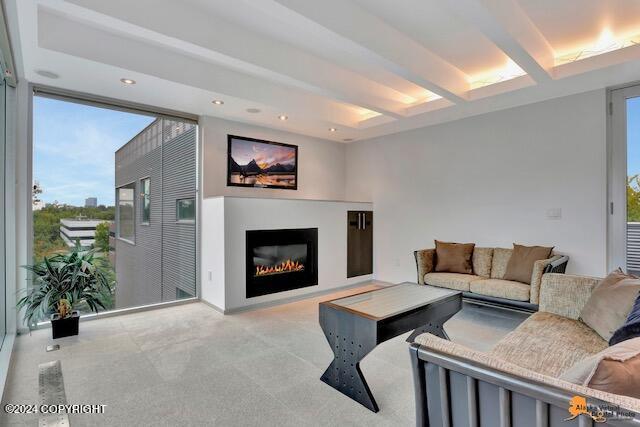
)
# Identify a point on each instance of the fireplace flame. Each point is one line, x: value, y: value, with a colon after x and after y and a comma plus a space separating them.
x: 287, y: 266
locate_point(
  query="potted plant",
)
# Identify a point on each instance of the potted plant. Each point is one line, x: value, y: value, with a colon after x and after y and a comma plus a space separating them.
x: 62, y: 284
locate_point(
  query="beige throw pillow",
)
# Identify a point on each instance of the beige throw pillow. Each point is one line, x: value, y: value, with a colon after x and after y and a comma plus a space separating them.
x: 454, y: 257
x: 610, y: 303
x: 614, y: 370
x: 520, y: 266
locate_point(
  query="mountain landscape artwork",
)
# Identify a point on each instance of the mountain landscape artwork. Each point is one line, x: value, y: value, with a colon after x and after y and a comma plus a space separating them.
x: 258, y: 163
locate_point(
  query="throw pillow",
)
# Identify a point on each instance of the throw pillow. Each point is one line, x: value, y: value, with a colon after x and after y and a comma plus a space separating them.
x: 520, y: 265
x: 610, y: 303
x: 614, y: 370
x: 454, y: 257
x: 631, y: 328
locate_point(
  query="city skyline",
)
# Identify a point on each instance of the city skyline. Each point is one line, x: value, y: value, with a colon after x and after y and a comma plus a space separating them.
x: 74, y: 149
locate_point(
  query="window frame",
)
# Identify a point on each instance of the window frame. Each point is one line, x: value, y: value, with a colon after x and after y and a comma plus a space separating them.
x: 25, y: 161
x: 185, y: 220
x: 144, y: 199
x: 133, y: 186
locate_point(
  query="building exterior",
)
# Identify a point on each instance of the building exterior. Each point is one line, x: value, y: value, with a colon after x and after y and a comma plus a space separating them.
x: 91, y: 202
x: 81, y: 230
x: 155, y: 232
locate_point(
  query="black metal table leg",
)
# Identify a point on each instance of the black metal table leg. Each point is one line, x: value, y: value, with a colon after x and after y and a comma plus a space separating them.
x: 349, y: 349
x: 435, y: 329
x: 436, y: 326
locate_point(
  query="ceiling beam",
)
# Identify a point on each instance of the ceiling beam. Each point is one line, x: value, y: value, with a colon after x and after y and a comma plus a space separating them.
x: 382, y: 44
x: 81, y: 39
x: 230, y: 45
x: 508, y: 27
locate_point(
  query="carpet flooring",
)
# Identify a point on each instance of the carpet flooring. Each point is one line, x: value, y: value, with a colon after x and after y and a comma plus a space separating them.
x: 189, y: 365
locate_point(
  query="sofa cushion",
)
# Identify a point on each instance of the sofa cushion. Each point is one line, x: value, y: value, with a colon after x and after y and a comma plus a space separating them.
x: 615, y: 370
x: 481, y: 261
x: 499, y: 262
x: 610, y: 303
x: 501, y: 289
x: 631, y: 328
x: 454, y: 257
x: 520, y: 265
x: 549, y: 344
x: 457, y: 281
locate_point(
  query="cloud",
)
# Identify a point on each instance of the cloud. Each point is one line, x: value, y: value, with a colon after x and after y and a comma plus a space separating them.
x: 74, y: 149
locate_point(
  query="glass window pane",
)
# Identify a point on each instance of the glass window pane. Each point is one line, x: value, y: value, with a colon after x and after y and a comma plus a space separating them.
x: 146, y: 200
x: 126, y: 212
x: 186, y: 210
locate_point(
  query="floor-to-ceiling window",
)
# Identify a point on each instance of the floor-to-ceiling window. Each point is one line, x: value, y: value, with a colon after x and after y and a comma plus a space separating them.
x: 624, y: 179
x: 109, y: 180
x: 3, y: 265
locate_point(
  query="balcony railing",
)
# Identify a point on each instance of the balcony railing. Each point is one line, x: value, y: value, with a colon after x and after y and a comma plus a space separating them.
x: 633, y: 247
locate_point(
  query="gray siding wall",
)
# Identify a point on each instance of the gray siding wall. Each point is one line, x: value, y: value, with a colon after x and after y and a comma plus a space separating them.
x: 179, y: 182
x: 163, y: 256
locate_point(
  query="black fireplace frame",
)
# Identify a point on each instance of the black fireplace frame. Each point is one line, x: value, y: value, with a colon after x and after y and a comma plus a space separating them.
x: 266, y: 285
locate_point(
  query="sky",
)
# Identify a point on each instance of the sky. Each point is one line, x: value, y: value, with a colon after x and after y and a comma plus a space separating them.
x: 74, y: 148
x: 633, y: 136
x: 264, y: 154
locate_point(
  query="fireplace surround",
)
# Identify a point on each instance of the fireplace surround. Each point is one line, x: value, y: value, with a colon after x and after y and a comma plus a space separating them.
x: 280, y: 260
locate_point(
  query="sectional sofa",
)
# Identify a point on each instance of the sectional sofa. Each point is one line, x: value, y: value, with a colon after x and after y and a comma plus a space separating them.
x: 516, y: 383
x: 486, y: 284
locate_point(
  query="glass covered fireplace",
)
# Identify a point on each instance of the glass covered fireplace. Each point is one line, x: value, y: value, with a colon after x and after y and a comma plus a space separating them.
x: 281, y: 260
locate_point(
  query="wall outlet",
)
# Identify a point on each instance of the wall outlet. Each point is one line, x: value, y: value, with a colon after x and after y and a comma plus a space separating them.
x: 554, y: 213
x: 396, y: 262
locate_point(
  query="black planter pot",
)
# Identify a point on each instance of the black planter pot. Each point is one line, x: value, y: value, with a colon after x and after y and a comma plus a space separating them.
x: 67, y: 327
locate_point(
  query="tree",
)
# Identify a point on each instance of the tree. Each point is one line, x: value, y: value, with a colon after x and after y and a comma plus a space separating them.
x: 633, y: 198
x: 102, y: 237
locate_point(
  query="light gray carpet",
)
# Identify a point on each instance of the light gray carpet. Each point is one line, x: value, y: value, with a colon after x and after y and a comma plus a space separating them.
x: 189, y: 365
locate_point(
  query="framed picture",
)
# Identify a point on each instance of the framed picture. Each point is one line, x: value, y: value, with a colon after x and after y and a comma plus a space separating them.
x: 262, y: 164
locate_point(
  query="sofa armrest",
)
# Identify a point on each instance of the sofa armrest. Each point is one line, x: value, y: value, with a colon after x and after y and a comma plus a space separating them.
x: 565, y: 294
x: 555, y: 264
x: 487, y: 368
x: 425, y: 262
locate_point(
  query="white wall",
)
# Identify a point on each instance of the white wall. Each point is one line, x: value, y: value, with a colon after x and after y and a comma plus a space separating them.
x: 212, y: 267
x: 241, y: 214
x: 321, y: 167
x: 489, y: 179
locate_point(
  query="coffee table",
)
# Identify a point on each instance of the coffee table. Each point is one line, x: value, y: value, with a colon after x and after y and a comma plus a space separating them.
x: 356, y: 324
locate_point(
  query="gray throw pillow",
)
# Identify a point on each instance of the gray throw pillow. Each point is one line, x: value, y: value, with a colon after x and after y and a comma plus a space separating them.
x: 610, y: 303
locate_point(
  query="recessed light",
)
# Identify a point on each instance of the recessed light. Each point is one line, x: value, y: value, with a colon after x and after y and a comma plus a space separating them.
x: 128, y: 81
x: 217, y: 102
x: 332, y: 129
x: 47, y: 74
x: 253, y: 110
x: 283, y: 117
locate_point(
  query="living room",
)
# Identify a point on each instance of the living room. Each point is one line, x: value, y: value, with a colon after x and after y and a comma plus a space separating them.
x: 348, y: 213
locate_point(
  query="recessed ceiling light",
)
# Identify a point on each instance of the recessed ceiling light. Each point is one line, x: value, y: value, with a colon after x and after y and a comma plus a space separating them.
x: 217, y: 102
x: 348, y: 139
x: 128, y: 81
x: 283, y: 117
x: 47, y: 74
x: 253, y: 110
x: 332, y: 129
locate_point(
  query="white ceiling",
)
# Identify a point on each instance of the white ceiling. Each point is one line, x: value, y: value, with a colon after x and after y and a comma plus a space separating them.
x: 365, y: 67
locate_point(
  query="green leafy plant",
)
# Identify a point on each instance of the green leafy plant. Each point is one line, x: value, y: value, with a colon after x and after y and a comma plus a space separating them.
x: 64, y: 282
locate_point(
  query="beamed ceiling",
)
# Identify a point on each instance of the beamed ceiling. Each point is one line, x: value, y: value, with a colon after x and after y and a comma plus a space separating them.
x: 365, y: 68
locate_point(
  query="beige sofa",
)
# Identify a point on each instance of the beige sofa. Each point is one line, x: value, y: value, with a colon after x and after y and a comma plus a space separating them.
x: 487, y: 283
x: 527, y: 362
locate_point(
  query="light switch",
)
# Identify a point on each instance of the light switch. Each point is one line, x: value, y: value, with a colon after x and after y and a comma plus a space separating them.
x: 210, y: 275
x: 554, y: 213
